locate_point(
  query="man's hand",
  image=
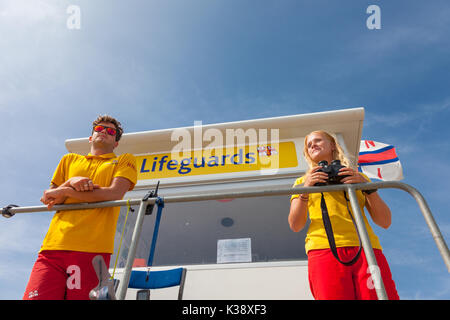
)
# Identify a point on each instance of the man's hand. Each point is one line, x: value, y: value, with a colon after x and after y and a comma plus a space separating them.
x: 57, y: 195
x: 81, y: 184
x: 54, y: 196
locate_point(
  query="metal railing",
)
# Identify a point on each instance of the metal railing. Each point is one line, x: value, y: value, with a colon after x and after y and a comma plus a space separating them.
x: 350, y: 188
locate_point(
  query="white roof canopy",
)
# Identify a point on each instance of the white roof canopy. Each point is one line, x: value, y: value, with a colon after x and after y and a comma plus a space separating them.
x: 348, y: 123
x: 345, y: 124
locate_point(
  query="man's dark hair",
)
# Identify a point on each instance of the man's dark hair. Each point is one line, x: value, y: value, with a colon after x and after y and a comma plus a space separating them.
x: 108, y: 118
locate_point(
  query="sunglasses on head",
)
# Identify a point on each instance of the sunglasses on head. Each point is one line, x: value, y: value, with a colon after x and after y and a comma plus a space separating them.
x: 109, y: 130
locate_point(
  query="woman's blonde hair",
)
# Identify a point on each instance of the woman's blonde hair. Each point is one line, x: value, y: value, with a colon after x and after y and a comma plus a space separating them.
x: 338, y: 153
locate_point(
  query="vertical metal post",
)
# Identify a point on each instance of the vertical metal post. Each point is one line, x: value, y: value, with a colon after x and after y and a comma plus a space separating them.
x: 367, y: 246
x: 123, y: 286
x: 432, y: 225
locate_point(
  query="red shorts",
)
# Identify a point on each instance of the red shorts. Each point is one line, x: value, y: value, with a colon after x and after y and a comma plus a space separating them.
x: 63, y: 275
x: 331, y: 280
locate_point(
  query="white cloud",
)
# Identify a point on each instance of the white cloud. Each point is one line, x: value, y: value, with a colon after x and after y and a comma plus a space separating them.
x: 440, y: 289
x: 22, y: 234
x: 28, y: 12
x: 20, y: 240
x: 413, y: 114
x: 401, y: 257
x: 31, y: 32
x: 421, y: 29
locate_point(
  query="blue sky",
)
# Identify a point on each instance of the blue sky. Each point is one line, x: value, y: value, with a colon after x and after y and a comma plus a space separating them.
x: 164, y: 64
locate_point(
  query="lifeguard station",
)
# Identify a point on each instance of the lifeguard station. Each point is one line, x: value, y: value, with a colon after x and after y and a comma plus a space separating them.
x: 223, y: 205
x: 239, y: 248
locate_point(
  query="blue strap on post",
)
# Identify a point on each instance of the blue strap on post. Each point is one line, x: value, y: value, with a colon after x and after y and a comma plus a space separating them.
x: 160, y: 202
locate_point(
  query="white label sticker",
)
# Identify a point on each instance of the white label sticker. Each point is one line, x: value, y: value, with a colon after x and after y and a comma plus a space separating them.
x: 234, y: 250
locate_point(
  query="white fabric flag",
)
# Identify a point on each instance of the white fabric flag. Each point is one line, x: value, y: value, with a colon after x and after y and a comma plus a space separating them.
x: 379, y: 161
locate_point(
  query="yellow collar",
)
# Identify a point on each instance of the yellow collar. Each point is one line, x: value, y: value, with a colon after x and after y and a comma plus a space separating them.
x: 104, y: 156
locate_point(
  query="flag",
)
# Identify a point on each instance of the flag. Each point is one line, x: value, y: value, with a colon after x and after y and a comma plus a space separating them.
x: 379, y: 161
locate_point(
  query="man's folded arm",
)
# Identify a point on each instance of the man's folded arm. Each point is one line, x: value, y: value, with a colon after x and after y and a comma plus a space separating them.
x: 115, y: 191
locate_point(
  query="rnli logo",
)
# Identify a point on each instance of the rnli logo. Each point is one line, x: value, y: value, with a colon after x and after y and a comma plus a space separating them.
x: 129, y: 164
x: 33, y: 294
x: 266, y: 151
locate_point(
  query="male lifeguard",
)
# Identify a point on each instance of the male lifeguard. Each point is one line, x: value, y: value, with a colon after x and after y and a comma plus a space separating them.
x: 63, y: 269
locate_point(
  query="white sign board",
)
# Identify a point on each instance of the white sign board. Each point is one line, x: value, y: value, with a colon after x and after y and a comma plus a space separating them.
x: 234, y: 250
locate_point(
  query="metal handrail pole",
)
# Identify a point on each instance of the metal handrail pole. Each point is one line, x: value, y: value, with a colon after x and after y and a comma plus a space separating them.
x: 213, y: 196
x: 268, y: 192
x: 76, y: 206
x: 434, y: 229
x: 424, y: 208
x: 431, y: 222
x: 432, y: 225
x: 367, y: 246
x: 123, y: 286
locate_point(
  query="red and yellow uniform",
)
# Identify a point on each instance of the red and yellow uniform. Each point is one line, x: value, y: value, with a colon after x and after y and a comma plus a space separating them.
x: 343, y: 228
x: 63, y: 269
x: 88, y: 230
x: 328, y: 278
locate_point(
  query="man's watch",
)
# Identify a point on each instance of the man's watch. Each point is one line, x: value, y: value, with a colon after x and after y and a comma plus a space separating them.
x: 369, y: 191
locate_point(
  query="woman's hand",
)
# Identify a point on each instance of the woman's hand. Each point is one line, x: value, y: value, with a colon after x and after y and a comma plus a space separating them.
x: 353, y: 176
x: 314, y: 177
x: 378, y: 209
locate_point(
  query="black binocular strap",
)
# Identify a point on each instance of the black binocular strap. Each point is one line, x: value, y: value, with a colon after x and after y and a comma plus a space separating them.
x: 330, y: 236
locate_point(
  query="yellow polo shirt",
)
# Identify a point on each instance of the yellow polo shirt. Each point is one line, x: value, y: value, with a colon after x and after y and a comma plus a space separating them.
x: 88, y: 230
x: 343, y: 228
